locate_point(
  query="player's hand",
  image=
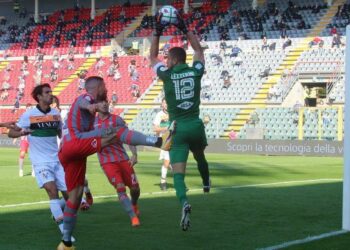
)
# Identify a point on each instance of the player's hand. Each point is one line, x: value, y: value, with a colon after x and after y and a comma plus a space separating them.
x: 92, y: 108
x: 9, y: 125
x: 159, y: 27
x: 181, y: 24
x: 26, y: 131
x: 133, y: 160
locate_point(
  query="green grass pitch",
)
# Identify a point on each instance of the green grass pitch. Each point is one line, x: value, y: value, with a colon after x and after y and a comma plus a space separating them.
x: 302, y: 196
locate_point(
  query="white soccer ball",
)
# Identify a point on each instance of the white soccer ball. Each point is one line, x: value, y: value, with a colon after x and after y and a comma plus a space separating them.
x: 169, y: 15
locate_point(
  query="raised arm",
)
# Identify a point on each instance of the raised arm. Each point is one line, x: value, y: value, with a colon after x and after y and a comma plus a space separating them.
x: 154, y: 50
x: 198, y: 50
x: 192, y: 39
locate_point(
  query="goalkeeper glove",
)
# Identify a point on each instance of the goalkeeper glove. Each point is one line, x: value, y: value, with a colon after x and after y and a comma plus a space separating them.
x: 181, y: 24
x: 159, y: 27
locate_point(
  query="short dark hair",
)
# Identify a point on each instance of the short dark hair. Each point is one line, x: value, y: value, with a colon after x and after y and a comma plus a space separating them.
x: 38, y: 90
x: 93, y: 79
x: 178, y: 53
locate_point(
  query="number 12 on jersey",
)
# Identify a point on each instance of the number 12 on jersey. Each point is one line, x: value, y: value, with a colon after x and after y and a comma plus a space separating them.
x: 184, y: 88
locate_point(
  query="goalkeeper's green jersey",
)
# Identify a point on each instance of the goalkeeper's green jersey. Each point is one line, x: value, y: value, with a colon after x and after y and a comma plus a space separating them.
x: 182, y: 87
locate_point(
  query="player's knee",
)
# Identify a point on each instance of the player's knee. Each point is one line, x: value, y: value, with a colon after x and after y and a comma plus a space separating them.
x: 120, y: 188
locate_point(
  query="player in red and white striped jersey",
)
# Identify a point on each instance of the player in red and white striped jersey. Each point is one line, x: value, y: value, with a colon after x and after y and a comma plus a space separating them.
x: 117, y: 165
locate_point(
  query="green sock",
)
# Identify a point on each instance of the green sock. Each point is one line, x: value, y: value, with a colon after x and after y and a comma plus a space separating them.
x: 180, y: 187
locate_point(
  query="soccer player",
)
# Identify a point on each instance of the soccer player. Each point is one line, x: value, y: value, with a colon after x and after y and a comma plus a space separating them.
x: 160, y: 125
x: 42, y: 125
x: 182, y: 86
x: 117, y: 165
x: 81, y: 139
x: 88, y: 201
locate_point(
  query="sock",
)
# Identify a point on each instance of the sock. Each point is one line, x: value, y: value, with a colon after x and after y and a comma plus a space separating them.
x: 164, y: 172
x: 69, y: 221
x: 180, y: 187
x: 203, y: 169
x: 57, y: 213
x: 86, y: 189
x: 83, y: 200
x: 20, y: 163
x: 126, y: 203
x: 62, y: 203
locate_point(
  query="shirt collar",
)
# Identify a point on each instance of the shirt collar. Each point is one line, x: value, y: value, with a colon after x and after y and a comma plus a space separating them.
x: 179, y: 67
x: 42, y: 111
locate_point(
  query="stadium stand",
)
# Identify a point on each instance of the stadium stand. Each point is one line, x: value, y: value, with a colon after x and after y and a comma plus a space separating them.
x: 245, y: 74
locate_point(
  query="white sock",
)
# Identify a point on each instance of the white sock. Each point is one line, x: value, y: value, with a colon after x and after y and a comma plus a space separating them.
x: 86, y: 189
x: 163, y: 175
x: 83, y: 200
x: 20, y: 162
x: 62, y: 203
x: 57, y: 212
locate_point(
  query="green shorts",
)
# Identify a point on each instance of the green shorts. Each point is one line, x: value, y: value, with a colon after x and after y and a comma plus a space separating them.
x: 190, y: 135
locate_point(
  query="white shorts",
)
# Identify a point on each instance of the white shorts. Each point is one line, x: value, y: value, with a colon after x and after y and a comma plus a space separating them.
x: 164, y: 155
x: 50, y: 171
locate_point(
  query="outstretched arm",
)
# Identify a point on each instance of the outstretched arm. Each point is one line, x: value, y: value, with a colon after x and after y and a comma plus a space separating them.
x: 154, y: 50
x: 193, y: 40
x: 153, y: 55
x: 198, y: 50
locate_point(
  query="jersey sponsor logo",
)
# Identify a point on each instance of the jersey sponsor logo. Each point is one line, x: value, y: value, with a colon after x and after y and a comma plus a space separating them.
x: 163, y: 68
x: 94, y: 143
x: 199, y: 66
x: 185, y: 105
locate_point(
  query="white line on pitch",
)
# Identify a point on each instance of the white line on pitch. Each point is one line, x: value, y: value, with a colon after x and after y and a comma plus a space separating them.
x: 191, y: 190
x: 306, y: 240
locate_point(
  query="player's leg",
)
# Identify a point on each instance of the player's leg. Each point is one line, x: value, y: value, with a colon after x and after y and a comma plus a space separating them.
x: 198, y: 142
x: 22, y: 155
x: 164, y: 155
x: 87, y: 191
x: 45, y: 176
x: 114, y: 174
x: 203, y: 168
x: 130, y: 180
x: 74, y: 176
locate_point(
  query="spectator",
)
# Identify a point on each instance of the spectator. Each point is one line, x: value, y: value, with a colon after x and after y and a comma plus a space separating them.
x: 4, y: 95
x: 265, y: 45
x: 114, y: 98
x: 266, y: 72
x: 135, y: 90
x: 216, y: 60
x: 226, y: 77
x: 87, y: 51
x: 132, y: 67
x: 100, y: 63
x: 287, y: 42
x: 235, y: 51
x: 232, y: 135
x: 5, y: 86
x: 116, y: 75
x: 334, y: 31
x: 316, y: 41
x: 223, y: 47
x: 336, y: 41
x: 254, y: 119
x: 206, y: 119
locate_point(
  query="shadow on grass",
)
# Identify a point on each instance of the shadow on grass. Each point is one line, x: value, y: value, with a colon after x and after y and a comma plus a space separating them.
x: 245, y: 218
